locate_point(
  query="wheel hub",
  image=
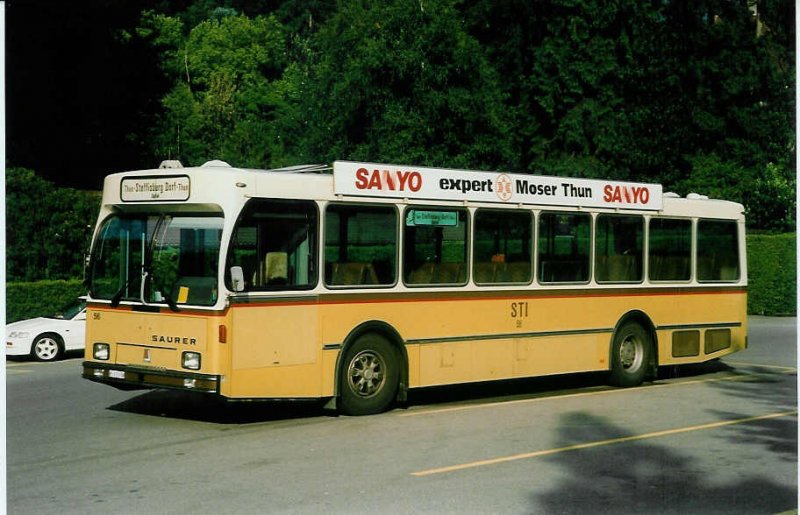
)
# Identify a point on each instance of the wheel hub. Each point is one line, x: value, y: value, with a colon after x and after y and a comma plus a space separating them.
x: 630, y: 353
x: 365, y: 373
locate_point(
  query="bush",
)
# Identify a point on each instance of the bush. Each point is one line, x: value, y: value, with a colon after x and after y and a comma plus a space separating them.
x: 772, y: 274
x: 41, y: 298
x: 48, y: 228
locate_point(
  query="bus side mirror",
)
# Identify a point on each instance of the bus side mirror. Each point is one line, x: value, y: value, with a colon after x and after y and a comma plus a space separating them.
x: 237, y: 278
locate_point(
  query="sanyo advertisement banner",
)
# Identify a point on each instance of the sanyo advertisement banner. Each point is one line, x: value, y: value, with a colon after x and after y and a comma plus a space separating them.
x: 414, y: 182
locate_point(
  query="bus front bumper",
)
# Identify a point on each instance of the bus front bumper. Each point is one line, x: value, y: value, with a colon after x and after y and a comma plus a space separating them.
x: 127, y: 377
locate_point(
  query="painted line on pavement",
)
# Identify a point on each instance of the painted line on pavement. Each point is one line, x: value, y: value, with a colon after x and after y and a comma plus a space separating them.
x: 742, y: 377
x: 599, y: 443
x: 787, y: 370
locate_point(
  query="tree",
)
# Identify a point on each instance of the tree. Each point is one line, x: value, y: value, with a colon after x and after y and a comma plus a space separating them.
x: 400, y: 82
x: 48, y: 229
x: 224, y: 95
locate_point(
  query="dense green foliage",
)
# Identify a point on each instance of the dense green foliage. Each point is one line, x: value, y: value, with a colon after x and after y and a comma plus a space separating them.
x: 41, y: 298
x: 48, y: 229
x: 696, y: 96
x: 772, y: 274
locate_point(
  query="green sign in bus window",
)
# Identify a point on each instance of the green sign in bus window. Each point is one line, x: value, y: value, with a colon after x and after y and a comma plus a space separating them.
x: 432, y: 218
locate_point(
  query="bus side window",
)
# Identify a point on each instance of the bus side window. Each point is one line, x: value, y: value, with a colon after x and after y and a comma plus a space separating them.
x: 564, y: 247
x: 670, y: 249
x: 619, y: 248
x: 273, y: 243
x: 360, y: 245
x: 435, y: 246
x: 501, y: 247
x: 717, y: 251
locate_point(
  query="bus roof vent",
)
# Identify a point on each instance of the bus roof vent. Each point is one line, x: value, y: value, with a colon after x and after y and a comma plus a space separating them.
x: 170, y: 163
x: 215, y: 163
x: 319, y: 168
x: 671, y: 194
x: 696, y: 196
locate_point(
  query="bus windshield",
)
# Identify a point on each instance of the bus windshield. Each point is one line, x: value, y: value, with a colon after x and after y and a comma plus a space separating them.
x: 157, y: 258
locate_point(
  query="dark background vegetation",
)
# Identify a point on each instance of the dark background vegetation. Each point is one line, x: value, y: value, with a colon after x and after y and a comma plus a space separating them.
x: 698, y: 96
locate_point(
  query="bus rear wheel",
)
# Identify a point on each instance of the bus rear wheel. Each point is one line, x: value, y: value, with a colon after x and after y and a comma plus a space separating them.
x: 369, y: 376
x: 630, y: 355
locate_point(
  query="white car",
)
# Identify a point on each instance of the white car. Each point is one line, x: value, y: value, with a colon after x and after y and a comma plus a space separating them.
x: 47, y: 338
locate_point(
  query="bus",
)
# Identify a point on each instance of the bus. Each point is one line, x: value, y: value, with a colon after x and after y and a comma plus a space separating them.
x: 355, y: 282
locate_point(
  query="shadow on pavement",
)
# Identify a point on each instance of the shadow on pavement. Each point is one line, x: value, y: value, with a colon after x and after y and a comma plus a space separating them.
x: 644, y: 477
x: 208, y: 408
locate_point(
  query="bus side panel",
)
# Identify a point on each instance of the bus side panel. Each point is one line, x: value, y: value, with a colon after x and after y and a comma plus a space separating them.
x: 467, y: 340
x: 454, y: 341
x: 727, y: 310
x: 276, y: 351
x: 552, y: 355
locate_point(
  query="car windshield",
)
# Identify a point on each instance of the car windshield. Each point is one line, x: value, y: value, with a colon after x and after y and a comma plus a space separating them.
x: 157, y: 258
x: 69, y: 311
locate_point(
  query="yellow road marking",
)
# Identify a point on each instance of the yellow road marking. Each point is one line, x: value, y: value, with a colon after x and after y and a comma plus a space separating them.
x: 588, y: 445
x: 573, y: 395
x: 787, y: 370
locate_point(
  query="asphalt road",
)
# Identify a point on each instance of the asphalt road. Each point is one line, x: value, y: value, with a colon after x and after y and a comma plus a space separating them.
x: 716, y: 438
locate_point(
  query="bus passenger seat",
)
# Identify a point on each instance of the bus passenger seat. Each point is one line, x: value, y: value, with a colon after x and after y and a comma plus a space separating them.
x: 422, y: 274
x: 350, y: 274
x: 484, y: 272
x: 447, y: 273
x: 273, y: 269
x: 519, y: 272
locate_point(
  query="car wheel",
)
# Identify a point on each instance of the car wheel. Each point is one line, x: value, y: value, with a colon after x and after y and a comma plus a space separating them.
x: 47, y: 347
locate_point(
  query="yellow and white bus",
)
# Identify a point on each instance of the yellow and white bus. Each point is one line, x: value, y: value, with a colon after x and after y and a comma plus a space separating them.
x: 360, y: 284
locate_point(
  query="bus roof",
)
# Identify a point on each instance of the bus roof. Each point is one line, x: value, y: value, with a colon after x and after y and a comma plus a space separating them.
x: 220, y: 184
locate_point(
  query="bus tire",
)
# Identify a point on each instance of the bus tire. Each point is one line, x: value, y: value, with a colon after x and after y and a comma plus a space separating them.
x: 631, y: 351
x: 369, y: 376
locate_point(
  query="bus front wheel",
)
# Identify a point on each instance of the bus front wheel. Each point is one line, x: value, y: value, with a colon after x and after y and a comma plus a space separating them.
x: 630, y: 355
x: 369, y: 376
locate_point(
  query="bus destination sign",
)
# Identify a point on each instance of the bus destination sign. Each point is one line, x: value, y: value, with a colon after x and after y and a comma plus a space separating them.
x: 382, y: 180
x: 155, y: 189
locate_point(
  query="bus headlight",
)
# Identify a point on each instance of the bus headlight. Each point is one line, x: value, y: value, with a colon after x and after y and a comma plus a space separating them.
x: 191, y: 360
x: 101, y: 351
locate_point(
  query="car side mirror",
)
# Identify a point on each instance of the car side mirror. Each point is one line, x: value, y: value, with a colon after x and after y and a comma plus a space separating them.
x: 237, y: 278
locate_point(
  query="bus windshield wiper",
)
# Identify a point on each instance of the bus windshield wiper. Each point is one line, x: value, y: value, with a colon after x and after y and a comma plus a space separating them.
x: 118, y: 296
x: 170, y: 302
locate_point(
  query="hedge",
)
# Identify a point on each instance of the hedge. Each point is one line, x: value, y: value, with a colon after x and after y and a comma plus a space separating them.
x: 772, y: 274
x: 772, y: 290
x: 40, y: 298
